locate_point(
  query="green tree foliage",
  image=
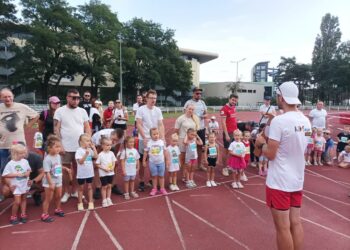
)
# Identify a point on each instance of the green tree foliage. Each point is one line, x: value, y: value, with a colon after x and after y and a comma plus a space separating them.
x: 289, y: 70
x: 330, y: 61
x: 97, y: 43
x: 8, y: 19
x: 152, y: 59
x: 49, y: 44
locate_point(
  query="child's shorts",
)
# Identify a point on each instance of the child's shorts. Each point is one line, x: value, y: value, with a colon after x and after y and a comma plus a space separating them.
x: 129, y: 177
x: 57, y: 182
x: 105, y: 180
x: 157, y: 169
x: 212, y: 162
x: 191, y: 161
x: 262, y: 158
x: 82, y: 181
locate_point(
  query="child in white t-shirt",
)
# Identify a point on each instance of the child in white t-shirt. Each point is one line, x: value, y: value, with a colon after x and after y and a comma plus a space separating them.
x: 211, y: 154
x: 319, y: 146
x: 129, y: 159
x: 52, y: 181
x: 191, y: 141
x: 106, y: 164
x: 85, y: 169
x: 344, y: 158
x: 236, y: 161
x: 174, y: 167
x: 18, y: 171
x: 158, y: 157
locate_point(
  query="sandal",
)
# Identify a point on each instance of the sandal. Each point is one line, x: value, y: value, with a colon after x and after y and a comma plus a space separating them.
x: 14, y: 220
x: 23, y: 218
x: 47, y: 218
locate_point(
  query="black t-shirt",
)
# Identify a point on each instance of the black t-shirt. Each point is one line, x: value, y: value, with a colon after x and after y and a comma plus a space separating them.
x: 86, y: 105
x: 242, y: 126
x: 47, y: 118
x: 341, y: 145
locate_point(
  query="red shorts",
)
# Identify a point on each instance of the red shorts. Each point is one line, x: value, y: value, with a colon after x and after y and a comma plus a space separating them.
x: 282, y: 200
x: 192, y: 162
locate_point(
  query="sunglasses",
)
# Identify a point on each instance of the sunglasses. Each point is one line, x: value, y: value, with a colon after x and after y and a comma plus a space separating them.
x: 117, y: 102
x: 56, y: 102
x: 75, y: 97
x: 198, y: 93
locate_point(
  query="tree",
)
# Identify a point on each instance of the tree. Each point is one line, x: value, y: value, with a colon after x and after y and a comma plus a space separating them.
x: 48, y: 45
x: 323, y: 56
x: 289, y: 70
x: 8, y: 19
x: 97, y: 43
x: 233, y: 87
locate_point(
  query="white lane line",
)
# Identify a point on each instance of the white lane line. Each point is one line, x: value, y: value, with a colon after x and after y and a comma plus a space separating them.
x: 328, y: 209
x: 211, y: 225
x: 6, y: 208
x: 327, y: 178
x: 254, y: 184
x: 80, y: 231
x: 344, y: 182
x: 27, y: 232
x: 130, y: 210
x: 326, y: 197
x: 304, y: 219
x: 201, y: 195
x: 245, y: 204
x: 176, y: 224
x: 109, y: 233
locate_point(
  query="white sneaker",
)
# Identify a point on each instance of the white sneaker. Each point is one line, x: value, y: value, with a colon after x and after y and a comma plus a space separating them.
x: 320, y: 163
x: 253, y: 164
x: 193, y: 184
x: 239, y: 184
x: 65, y: 198
x: 171, y: 187
x: 307, y: 163
x: 126, y: 196
x: 176, y: 187
x: 243, y: 177
x: 104, y: 203
x: 234, y: 185
x: 189, y: 184
x: 109, y: 202
x: 225, y: 172
x: 208, y: 184
x: 213, y: 183
x: 75, y: 195
x: 134, y: 195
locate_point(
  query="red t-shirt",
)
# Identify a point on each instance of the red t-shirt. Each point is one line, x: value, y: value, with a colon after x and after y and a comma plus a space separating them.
x: 229, y: 112
x: 247, y: 150
x: 107, y: 114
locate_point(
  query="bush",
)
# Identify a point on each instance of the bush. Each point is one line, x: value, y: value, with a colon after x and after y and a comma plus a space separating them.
x: 215, y: 101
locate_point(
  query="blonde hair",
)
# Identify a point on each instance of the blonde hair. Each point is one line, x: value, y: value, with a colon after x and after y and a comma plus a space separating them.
x: 16, y: 149
x: 237, y: 132
x: 347, y: 147
x: 83, y: 136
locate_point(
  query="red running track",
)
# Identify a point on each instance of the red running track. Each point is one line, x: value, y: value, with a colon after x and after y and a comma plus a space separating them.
x: 200, y: 218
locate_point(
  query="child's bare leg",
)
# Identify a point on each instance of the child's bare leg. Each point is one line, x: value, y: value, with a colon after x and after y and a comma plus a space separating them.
x: 90, y: 192
x: 104, y: 192
x: 48, y: 198
x: 132, y: 186
x: 80, y: 193
x: 16, y: 204
x: 23, y: 203
x: 161, y: 182
x: 58, y: 194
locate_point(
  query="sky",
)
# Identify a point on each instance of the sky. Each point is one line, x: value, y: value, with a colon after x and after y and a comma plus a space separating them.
x: 257, y: 30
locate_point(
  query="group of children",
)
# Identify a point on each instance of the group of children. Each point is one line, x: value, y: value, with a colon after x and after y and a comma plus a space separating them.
x: 320, y: 147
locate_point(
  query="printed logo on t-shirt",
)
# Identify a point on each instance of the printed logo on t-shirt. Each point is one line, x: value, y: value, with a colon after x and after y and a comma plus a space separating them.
x: 344, y: 139
x: 193, y: 146
x: 155, y: 150
x: 57, y: 170
x: 239, y: 150
x: 19, y: 169
x: 131, y: 158
x: 212, y: 151
x: 110, y: 166
x: 174, y: 157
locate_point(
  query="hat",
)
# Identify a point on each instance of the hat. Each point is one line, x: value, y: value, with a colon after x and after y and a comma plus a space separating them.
x: 197, y: 89
x: 213, y: 117
x: 289, y: 91
x: 54, y: 99
x: 267, y: 98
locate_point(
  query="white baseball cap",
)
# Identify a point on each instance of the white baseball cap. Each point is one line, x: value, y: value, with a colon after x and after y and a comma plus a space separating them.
x: 290, y: 92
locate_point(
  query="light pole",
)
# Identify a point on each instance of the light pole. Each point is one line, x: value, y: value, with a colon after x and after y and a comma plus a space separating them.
x: 120, y: 70
x: 237, y: 62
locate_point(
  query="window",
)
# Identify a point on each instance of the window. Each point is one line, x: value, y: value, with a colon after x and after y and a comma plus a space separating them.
x: 244, y: 91
x: 254, y: 91
x: 250, y: 91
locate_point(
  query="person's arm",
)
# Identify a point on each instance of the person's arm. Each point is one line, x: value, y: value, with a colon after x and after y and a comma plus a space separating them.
x: 161, y: 130
x: 186, y: 140
x: 57, y: 128
x: 122, y: 163
x: 139, y: 124
x: 199, y: 141
x: 224, y: 128
x: 83, y: 157
x: 270, y: 148
x: 166, y: 158
x: 32, y: 121
x: 206, y: 154
x: 41, y: 123
x: 95, y: 155
x: 144, y: 159
x: 87, y: 129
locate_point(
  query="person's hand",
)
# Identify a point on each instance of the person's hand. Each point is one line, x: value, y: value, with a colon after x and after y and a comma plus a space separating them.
x: 144, y: 163
x: 260, y: 140
x: 124, y: 173
x: 12, y: 188
x: 227, y: 138
x: 87, y: 152
x: 52, y: 186
x: 206, y: 162
x: 145, y: 142
x: 30, y: 183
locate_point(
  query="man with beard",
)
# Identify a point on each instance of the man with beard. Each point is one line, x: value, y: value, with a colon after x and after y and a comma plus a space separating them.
x: 13, y: 117
x: 70, y: 121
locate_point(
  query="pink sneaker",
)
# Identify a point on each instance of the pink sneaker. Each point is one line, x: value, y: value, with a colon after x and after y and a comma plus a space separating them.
x: 163, y: 191
x: 153, y: 192
x: 261, y: 173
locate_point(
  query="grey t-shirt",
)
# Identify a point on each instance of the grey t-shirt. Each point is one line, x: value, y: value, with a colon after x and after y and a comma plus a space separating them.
x: 53, y: 165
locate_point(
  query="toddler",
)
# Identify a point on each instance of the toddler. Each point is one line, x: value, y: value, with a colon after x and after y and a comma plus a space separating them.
x: 319, y: 147
x: 236, y: 161
x: 174, y: 166
x: 344, y: 158
x: 211, y: 152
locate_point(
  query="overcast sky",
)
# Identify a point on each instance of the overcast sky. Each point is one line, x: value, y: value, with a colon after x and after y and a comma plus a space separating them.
x: 254, y: 29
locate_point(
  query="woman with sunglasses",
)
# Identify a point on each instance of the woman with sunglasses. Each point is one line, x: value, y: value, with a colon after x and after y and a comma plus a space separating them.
x: 46, y: 117
x: 120, y: 116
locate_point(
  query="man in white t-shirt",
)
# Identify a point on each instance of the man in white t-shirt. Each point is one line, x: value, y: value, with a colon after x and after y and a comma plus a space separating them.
x: 200, y: 109
x: 285, y: 178
x: 148, y: 116
x: 266, y: 110
x: 138, y: 104
x: 70, y: 121
x: 318, y: 116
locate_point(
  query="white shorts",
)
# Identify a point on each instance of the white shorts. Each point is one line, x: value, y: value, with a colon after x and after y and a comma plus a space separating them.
x: 174, y: 167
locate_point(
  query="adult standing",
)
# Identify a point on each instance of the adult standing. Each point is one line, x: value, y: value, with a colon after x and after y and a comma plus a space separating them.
x: 13, y: 117
x: 266, y: 110
x: 318, y: 116
x: 70, y: 121
x: 108, y: 115
x: 120, y: 116
x: 200, y: 109
x: 138, y: 104
x: 95, y: 117
x: 229, y: 125
x: 182, y: 124
x: 148, y: 116
x: 285, y: 150
x: 86, y: 102
x: 46, y: 117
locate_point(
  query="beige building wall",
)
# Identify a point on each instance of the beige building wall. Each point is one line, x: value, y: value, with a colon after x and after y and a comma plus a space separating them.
x: 249, y: 94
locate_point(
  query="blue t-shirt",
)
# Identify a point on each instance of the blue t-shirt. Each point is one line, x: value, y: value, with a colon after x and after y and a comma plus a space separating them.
x: 329, y: 144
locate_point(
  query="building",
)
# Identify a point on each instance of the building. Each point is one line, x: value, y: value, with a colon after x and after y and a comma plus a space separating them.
x: 196, y: 58
x: 250, y: 93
